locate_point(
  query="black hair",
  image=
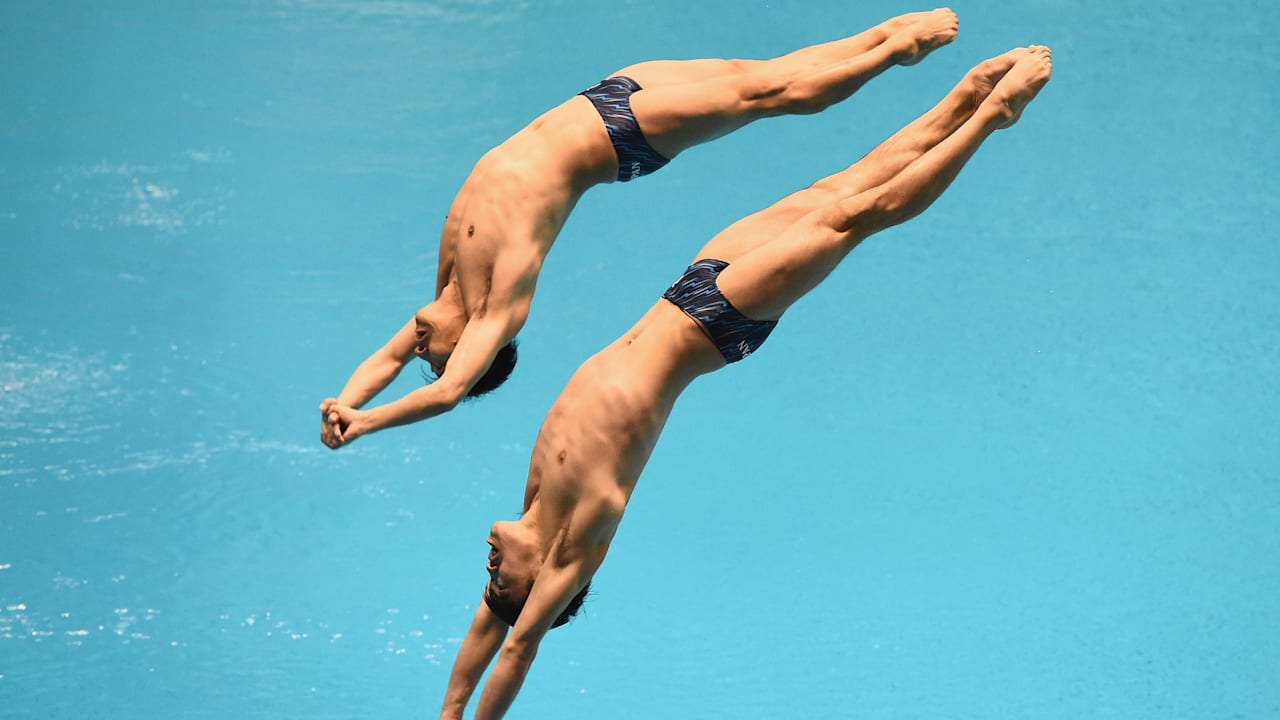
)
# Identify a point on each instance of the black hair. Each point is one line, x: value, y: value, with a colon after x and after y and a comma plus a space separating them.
x: 499, y: 370
x: 508, y: 609
x: 503, y: 363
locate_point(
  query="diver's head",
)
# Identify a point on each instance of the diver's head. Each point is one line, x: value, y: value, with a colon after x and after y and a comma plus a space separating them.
x: 515, y: 558
x: 438, y: 330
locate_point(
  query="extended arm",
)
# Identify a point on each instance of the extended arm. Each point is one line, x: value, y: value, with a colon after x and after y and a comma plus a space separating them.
x: 370, y: 378
x: 471, y: 358
x: 567, y: 569
x: 551, y: 593
x: 377, y: 371
x: 477, y: 651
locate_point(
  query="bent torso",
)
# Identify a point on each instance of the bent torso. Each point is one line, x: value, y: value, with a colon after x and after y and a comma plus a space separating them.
x: 509, y: 210
x: 602, y: 429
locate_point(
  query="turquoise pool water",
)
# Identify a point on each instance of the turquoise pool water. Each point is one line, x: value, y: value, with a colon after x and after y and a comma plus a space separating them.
x: 1018, y: 458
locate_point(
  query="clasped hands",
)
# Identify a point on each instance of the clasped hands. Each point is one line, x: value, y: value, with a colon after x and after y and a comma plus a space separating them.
x: 339, y: 424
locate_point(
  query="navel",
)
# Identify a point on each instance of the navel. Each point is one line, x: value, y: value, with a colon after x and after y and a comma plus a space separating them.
x: 471, y: 230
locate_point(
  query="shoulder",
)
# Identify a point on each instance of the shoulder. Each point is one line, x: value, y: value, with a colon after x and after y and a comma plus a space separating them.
x: 510, y: 291
x: 591, y: 529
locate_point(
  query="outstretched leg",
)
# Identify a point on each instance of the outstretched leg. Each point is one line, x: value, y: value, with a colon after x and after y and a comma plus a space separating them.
x: 911, y: 191
x: 875, y: 168
x: 733, y: 93
x: 657, y: 73
x: 903, y: 147
x: 765, y: 281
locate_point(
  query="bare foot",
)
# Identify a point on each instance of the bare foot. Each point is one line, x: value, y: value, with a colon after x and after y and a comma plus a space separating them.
x: 894, y: 24
x: 981, y: 80
x: 1021, y: 83
x: 929, y: 32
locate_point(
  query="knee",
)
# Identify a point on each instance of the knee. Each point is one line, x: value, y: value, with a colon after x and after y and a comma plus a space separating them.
x: 868, y: 212
x: 762, y: 87
x: 803, y: 96
x: 790, y: 96
x: 889, y: 206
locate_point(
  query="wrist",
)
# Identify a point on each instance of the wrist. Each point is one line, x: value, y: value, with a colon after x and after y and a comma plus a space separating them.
x: 452, y: 710
x: 365, y: 422
x: 352, y: 400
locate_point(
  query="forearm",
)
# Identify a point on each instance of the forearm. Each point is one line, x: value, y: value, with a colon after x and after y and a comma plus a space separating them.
x: 370, y: 378
x: 454, y: 705
x: 504, y: 683
x: 462, y: 683
x: 477, y: 651
x: 421, y: 404
x: 378, y: 370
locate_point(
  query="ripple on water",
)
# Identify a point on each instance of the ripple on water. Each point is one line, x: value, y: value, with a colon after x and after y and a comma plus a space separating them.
x: 107, y: 194
x: 66, y: 414
x: 371, y: 633
x: 51, y: 398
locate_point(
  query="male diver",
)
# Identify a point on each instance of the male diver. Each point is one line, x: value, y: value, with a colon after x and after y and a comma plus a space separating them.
x: 510, y: 209
x: 598, y: 435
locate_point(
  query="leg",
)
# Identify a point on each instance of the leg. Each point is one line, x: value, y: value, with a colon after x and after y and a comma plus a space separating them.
x: 919, y: 184
x: 903, y: 147
x: 731, y: 93
x: 657, y: 73
x: 875, y: 168
x: 764, y: 282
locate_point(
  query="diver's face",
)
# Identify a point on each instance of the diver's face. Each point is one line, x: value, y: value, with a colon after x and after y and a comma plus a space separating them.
x: 436, y: 335
x: 513, y: 559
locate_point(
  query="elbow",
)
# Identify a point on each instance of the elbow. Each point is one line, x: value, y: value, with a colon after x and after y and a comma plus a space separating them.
x: 449, y: 394
x: 519, y: 651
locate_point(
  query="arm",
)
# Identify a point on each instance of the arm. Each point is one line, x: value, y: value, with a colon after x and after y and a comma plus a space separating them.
x: 370, y: 378
x: 551, y: 593
x: 568, y: 568
x: 477, y: 651
x: 477, y: 346
x: 377, y: 371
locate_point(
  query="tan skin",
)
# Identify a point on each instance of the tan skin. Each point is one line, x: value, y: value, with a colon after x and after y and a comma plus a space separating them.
x: 598, y: 435
x: 511, y: 208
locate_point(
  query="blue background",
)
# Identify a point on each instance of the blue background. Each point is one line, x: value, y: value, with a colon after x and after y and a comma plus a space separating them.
x: 1016, y: 458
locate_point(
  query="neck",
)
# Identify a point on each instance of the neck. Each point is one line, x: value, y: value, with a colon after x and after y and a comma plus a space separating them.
x: 530, y: 524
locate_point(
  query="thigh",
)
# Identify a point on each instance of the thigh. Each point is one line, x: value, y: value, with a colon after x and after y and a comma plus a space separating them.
x: 657, y: 73
x: 683, y: 103
x: 764, y: 226
x: 764, y: 281
x: 677, y: 117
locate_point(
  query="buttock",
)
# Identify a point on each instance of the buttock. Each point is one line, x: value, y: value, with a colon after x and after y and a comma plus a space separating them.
x: 612, y: 99
x: 696, y: 293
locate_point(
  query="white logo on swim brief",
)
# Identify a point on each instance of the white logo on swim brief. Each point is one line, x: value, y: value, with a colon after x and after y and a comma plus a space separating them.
x: 744, y: 348
x: 635, y: 170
